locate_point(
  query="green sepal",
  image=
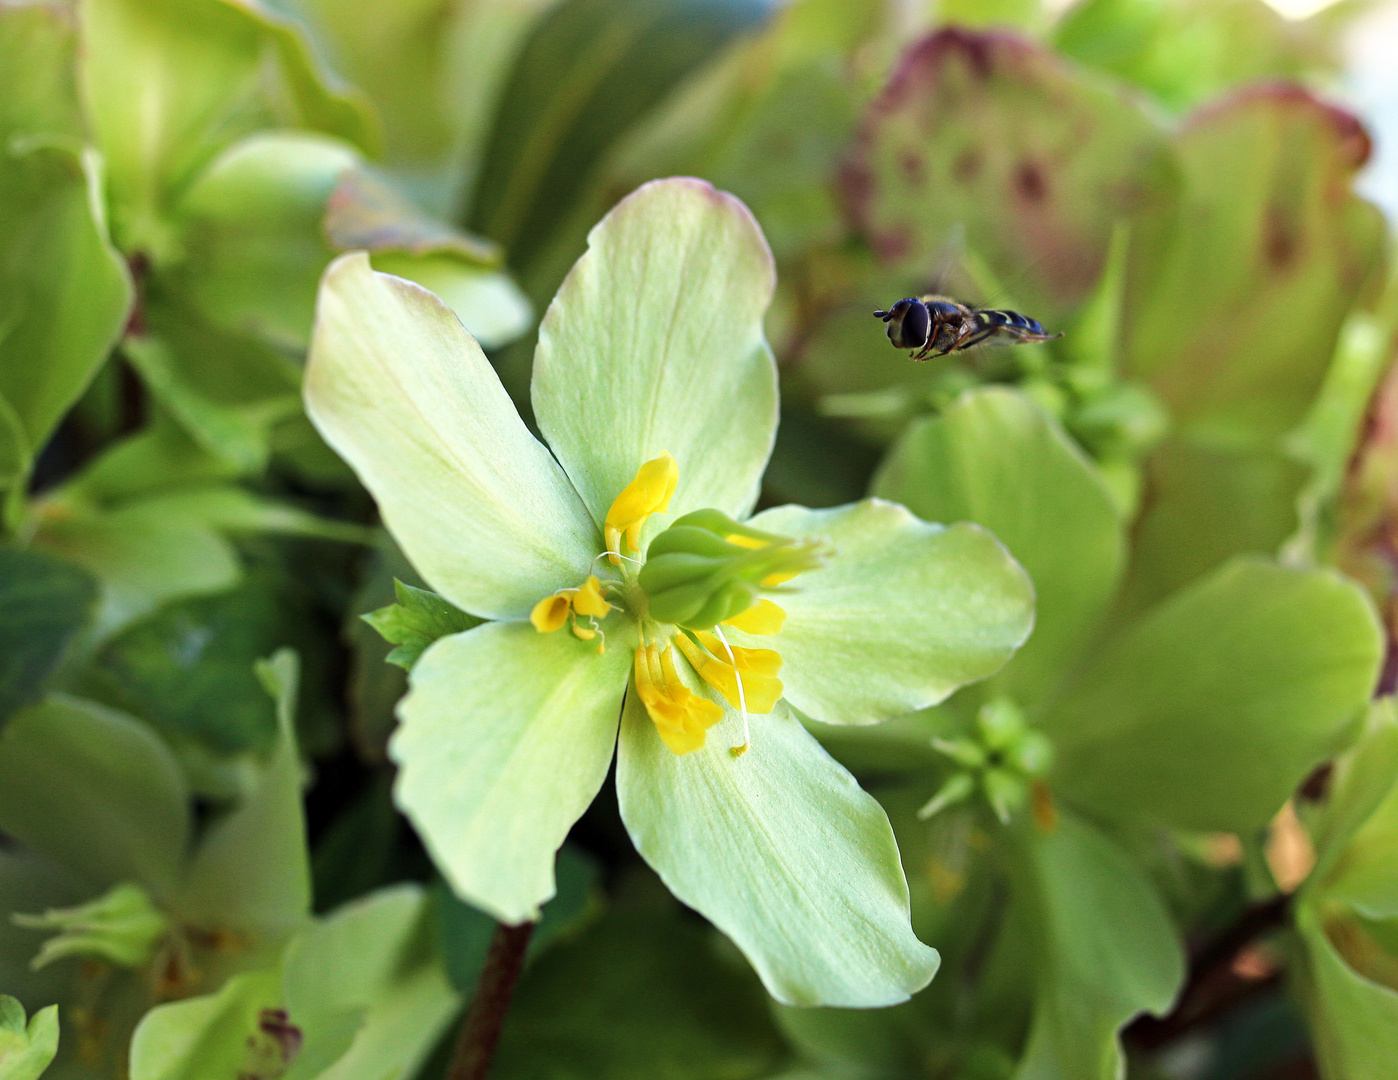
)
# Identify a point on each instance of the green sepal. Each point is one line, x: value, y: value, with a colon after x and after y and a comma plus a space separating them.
x: 964, y: 752
x: 418, y: 619
x: 1005, y: 792
x: 121, y: 926
x: 957, y: 789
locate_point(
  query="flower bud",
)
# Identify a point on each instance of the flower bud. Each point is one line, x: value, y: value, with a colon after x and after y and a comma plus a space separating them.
x: 706, y: 568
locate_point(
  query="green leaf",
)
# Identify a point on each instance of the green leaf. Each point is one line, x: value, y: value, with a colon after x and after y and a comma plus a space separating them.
x: 142, y: 555
x: 589, y: 70
x: 781, y: 850
x: 655, y: 339
x: 145, y: 552
x: 1275, y: 254
x: 466, y: 933
x: 418, y: 619
x: 65, y: 291
x: 1363, y: 872
x: 221, y: 1034
x: 1354, y: 1020
x: 436, y: 121
x: 1206, y: 504
x: 400, y: 390
x: 37, y: 92
x: 1211, y: 710
x: 662, y: 1000
x: 251, y: 871
x: 226, y: 391
x: 1266, y: 245
x: 187, y: 669
x: 990, y: 133
x: 43, y: 604
x: 901, y: 614
x: 264, y: 219
x: 366, y: 988
x: 1187, y: 53
x: 506, y: 737
x: 167, y: 84
x: 252, y: 226
x: 997, y: 459
x: 26, y: 1050
x: 97, y: 791
x: 1109, y: 952
x: 159, y: 457
x: 1362, y: 780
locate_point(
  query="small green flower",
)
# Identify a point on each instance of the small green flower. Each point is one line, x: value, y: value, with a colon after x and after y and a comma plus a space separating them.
x: 657, y: 396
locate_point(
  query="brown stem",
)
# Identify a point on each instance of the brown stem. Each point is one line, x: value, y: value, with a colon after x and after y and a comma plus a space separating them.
x: 480, y: 1031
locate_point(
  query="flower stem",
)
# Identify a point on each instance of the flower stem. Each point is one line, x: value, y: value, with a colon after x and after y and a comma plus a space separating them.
x: 480, y: 1031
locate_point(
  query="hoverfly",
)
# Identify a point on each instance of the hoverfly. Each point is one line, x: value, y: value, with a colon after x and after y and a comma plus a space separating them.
x: 936, y: 325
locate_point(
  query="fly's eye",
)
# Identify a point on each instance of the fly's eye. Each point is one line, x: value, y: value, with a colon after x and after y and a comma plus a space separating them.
x: 916, y: 324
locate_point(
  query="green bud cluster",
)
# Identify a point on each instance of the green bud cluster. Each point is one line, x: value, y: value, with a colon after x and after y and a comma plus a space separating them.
x: 1003, y: 757
x: 122, y: 926
x: 696, y: 577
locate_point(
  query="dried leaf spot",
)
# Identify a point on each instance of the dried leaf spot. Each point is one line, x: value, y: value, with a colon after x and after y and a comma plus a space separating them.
x: 1279, y: 239
x: 890, y: 246
x: 967, y: 166
x: 912, y: 165
x: 1029, y: 182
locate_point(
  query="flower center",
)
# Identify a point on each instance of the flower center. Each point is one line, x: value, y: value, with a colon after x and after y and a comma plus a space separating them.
x: 1004, y: 757
x: 702, y: 573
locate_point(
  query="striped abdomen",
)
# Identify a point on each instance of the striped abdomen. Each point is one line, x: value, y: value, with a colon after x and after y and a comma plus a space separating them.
x: 1009, y: 320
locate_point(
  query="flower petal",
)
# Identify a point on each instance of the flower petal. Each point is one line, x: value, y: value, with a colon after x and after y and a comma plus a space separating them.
x: 998, y: 459
x: 902, y: 614
x: 506, y: 737
x: 406, y: 396
x: 782, y: 851
x: 654, y: 343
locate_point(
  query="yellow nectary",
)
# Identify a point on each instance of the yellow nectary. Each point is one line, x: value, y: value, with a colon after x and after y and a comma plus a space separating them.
x: 649, y: 493
x: 680, y: 716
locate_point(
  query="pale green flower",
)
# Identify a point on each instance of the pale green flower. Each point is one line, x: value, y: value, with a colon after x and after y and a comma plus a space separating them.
x: 657, y: 396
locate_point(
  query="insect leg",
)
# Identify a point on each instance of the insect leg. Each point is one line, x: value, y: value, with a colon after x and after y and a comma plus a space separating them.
x: 974, y: 339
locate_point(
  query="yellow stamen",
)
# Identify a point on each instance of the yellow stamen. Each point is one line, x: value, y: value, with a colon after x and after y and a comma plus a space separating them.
x: 589, y: 601
x: 680, y: 716
x: 649, y: 493
x: 761, y: 689
x: 552, y: 611
x: 763, y: 618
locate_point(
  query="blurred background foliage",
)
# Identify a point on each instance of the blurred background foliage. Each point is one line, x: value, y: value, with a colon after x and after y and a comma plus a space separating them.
x: 193, y: 718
